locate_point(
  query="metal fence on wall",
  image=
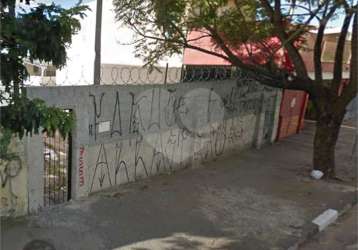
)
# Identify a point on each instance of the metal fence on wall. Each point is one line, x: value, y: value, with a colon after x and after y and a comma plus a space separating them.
x: 112, y: 74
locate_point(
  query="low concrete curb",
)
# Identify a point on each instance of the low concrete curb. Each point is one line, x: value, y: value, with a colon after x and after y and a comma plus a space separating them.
x: 311, y: 229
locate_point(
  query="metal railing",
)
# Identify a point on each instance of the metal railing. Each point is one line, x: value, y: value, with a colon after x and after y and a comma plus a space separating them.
x: 57, y: 169
x: 112, y: 74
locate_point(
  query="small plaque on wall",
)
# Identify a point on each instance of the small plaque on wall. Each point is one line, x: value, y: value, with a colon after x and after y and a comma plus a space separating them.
x: 104, y: 127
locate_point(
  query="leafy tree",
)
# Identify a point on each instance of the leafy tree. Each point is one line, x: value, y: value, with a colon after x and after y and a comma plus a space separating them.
x: 233, y: 26
x: 30, y: 33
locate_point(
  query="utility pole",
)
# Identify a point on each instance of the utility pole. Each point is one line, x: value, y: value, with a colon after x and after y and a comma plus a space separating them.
x: 97, y: 45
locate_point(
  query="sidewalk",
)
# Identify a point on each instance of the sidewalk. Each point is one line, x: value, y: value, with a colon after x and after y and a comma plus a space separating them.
x: 254, y: 200
x: 341, y: 235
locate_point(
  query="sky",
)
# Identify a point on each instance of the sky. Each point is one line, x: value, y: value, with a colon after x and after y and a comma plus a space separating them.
x: 65, y: 3
x: 69, y: 3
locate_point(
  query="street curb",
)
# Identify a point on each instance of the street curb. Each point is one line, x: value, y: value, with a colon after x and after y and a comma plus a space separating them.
x: 311, y: 229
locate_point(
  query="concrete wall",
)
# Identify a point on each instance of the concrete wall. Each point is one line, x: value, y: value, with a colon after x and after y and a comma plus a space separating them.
x: 13, y: 180
x: 117, y: 48
x: 126, y: 133
x: 21, y: 178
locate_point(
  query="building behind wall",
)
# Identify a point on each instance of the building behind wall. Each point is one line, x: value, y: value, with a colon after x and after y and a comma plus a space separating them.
x: 40, y: 74
x: 294, y: 103
x: 328, y: 56
x: 117, y: 52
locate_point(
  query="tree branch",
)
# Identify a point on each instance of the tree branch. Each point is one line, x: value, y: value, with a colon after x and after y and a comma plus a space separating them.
x: 220, y: 42
x: 310, y: 13
x: 297, y: 32
x: 295, y: 56
x: 189, y: 46
x: 350, y: 91
x: 339, y: 56
x: 283, y: 83
x: 261, y: 73
x: 317, y: 50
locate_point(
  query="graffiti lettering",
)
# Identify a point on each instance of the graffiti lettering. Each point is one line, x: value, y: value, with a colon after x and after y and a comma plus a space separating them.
x: 116, y: 127
x: 162, y: 129
x: 119, y: 163
x: 10, y: 171
x: 97, y: 115
x: 101, y: 170
x: 81, y: 166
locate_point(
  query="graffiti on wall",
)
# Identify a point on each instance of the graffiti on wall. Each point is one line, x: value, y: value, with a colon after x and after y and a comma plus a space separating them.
x: 140, y: 159
x: 101, y: 170
x: 81, y: 166
x: 9, y: 171
x: 157, y: 129
x: 97, y: 108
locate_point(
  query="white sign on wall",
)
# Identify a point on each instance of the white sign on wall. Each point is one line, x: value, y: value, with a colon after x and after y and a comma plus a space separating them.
x: 104, y: 127
x: 293, y: 102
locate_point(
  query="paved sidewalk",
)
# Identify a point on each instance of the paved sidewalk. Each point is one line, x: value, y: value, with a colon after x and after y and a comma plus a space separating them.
x: 257, y: 199
x: 342, y: 235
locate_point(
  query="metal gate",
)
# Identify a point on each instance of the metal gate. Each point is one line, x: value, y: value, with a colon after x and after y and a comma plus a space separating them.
x: 57, y: 169
x: 292, y: 110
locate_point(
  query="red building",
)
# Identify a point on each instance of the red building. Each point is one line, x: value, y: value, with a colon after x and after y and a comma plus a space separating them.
x: 293, y: 103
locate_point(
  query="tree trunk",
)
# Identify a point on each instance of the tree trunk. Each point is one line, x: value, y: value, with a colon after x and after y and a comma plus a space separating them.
x: 327, y: 131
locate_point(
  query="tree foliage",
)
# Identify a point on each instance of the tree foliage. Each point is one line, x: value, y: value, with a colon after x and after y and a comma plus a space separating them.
x: 162, y: 28
x: 39, y: 33
x: 263, y: 37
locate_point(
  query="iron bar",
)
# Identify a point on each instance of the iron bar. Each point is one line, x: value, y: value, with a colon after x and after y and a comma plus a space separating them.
x: 57, y: 168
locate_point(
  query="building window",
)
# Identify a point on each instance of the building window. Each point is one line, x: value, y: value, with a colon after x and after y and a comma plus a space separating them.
x: 50, y: 71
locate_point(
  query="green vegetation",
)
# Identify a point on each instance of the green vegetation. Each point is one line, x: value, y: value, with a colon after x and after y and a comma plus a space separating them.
x: 40, y: 33
x: 243, y: 32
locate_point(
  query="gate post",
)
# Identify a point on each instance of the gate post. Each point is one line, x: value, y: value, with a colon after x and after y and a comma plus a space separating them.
x: 260, y: 123
x: 34, y: 148
x: 277, y: 109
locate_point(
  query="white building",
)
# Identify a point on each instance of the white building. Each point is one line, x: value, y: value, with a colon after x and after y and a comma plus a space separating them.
x: 115, y: 51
